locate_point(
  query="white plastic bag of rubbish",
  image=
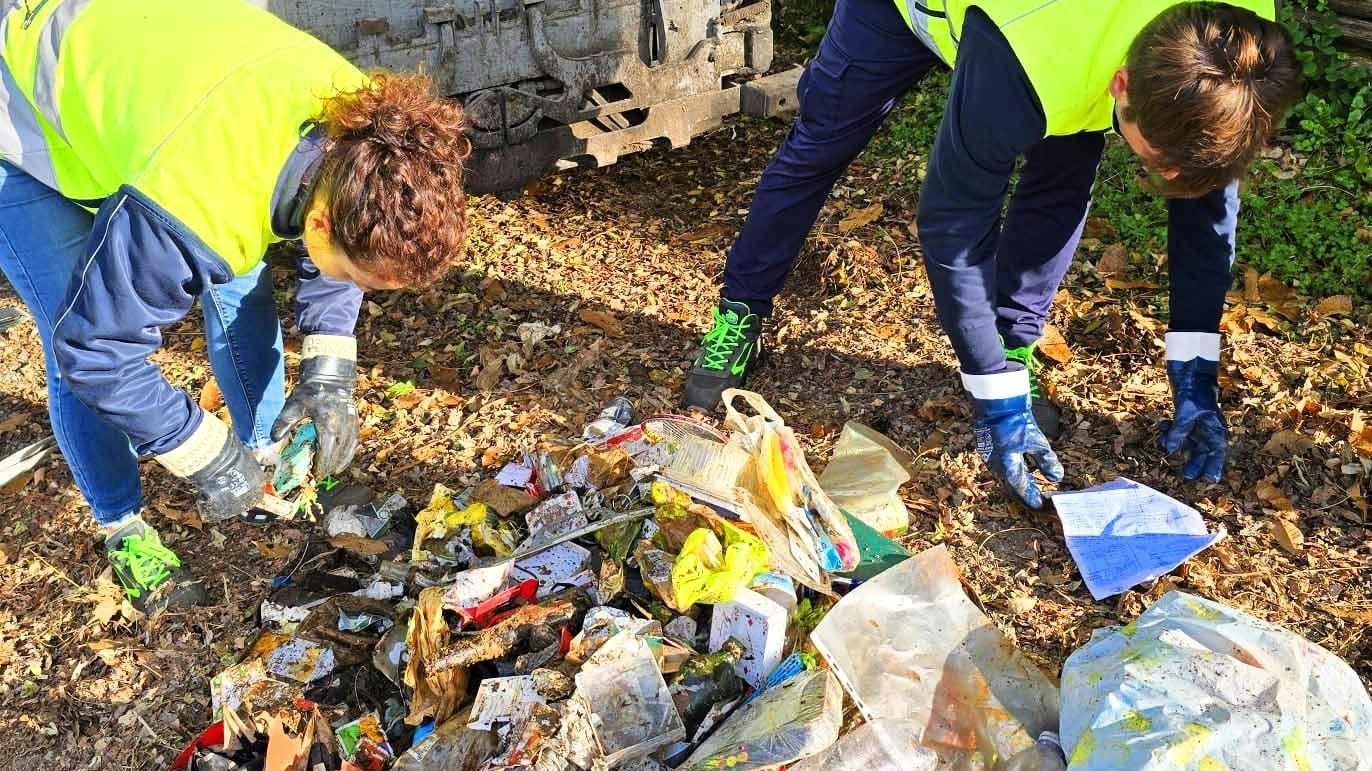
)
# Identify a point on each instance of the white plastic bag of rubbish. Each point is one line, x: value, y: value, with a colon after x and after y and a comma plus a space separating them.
x: 1193, y: 685
x: 909, y: 644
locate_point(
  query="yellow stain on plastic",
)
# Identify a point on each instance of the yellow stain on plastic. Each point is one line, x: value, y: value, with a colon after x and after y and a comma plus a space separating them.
x: 1083, y: 749
x: 1136, y: 722
x: 1294, y: 745
x: 1094, y: 678
x: 1211, y: 764
x: 1202, y: 612
x: 1130, y: 629
x: 1182, y: 753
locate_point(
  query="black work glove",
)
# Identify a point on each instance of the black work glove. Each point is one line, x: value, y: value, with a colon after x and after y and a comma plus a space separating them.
x: 222, y: 469
x: 324, y: 395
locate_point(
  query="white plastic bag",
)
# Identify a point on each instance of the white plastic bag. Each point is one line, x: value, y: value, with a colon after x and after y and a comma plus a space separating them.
x: 1193, y: 685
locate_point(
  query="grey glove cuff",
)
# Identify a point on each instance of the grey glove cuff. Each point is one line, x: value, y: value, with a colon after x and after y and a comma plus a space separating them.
x: 329, y: 370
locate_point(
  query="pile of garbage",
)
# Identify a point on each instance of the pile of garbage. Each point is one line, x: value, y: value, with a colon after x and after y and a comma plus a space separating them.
x: 660, y: 595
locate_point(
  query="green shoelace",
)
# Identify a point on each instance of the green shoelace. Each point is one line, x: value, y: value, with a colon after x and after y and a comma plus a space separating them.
x: 145, y: 561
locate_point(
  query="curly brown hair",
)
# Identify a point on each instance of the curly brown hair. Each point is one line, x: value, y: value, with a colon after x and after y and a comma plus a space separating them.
x: 1209, y: 83
x: 391, y: 177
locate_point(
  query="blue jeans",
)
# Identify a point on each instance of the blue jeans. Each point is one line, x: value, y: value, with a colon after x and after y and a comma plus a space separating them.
x: 42, y: 241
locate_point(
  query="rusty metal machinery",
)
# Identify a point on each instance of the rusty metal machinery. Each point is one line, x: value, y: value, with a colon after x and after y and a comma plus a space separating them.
x: 554, y: 84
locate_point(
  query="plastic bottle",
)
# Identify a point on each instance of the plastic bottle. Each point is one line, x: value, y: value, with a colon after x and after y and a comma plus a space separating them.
x: 1045, y: 755
x: 616, y: 417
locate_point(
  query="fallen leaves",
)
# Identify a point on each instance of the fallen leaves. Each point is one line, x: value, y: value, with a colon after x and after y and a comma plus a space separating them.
x: 860, y: 217
x: 707, y: 232
x: 1139, y: 283
x: 1288, y: 536
x: 13, y: 421
x: 1339, y: 304
x: 273, y: 551
x: 1114, y: 262
x: 605, y: 322
x: 1269, y: 494
x: 211, y: 397
x: 1288, y: 443
x: 1054, y: 345
x: 1360, y: 435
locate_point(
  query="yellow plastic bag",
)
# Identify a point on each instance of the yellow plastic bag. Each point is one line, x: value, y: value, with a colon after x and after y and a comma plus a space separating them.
x: 711, y: 572
x: 442, y: 516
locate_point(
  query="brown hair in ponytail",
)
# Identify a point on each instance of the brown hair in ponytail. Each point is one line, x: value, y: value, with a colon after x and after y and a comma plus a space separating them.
x: 392, y: 177
x: 1209, y: 84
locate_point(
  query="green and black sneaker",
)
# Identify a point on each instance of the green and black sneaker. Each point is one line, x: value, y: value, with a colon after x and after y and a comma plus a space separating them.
x: 727, y: 354
x: 152, y: 575
x: 1046, y: 414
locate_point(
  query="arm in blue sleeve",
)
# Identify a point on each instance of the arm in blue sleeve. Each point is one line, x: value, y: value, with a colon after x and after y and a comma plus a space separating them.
x: 323, y: 305
x: 141, y: 272
x: 1200, y: 257
x: 992, y: 116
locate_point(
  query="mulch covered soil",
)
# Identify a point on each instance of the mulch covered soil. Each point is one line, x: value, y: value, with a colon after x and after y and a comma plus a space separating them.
x: 620, y: 265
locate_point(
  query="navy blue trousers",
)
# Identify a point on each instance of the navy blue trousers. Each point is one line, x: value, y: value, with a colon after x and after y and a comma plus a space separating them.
x: 867, y: 61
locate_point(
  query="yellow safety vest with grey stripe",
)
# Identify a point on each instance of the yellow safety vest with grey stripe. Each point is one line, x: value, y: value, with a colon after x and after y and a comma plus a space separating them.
x: 195, y: 103
x: 1069, y: 48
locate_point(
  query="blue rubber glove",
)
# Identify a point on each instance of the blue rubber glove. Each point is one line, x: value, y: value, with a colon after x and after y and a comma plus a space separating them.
x: 1007, y: 436
x: 1197, y: 426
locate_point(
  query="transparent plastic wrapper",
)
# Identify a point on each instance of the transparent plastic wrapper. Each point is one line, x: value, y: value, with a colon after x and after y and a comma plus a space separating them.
x: 792, y: 721
x: 630, y: 707
x: 864, y: 476
x: 881, y: 745
x: 785, y: 488
x: 910, y: 644
x: 451, y: 747
x: 1193, y: 685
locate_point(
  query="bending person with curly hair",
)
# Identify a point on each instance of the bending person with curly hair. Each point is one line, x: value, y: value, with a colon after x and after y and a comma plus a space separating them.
x: 150, y: 152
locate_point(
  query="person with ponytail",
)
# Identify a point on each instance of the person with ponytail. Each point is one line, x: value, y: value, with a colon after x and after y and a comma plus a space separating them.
x: 150, y: 152
x: 1195, y: 88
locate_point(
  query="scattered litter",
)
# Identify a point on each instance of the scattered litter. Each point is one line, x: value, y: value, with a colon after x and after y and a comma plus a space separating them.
x: 973, y: 692
x: 708, y: 685
x: 292, y: 658
x: 1122, y: 534
x: 631, y: 710
x: 708, y: 571
x: 864, y: 476
x: 759, y: 624
x: 563, y: 566
x: 504, y: 702
x: 1192, y: 679
x: 515, y: 474
x: 612, y: 420
x: 793, y: 721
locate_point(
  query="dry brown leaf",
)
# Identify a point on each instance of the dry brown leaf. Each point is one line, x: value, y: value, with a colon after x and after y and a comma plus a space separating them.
x: 1288, y: 535
x: 1357, y: 615
x: 188, y: 518
x: 1264, y: 318
x: 408, y: 401
x: 14, y: 421
x: 492, y: 367
x: 492, y: 291
x: 1338, y: 304
x: 1021, y: 604
x: 605, y: 322
x: 211, y: 398
x: 1054, y: 346
x: 358, y: 545
x: 1280, y: 298
x: 273, y: 551
x: 860, y: 217
x: 707, y: 232
x: 1142, y: 283
x: 446, y: 377
x: 427, y: 452
x: 1288, y: 442
x: 1269, y: 494
x: 491, y: 457
x: 1114, y: 262
x: 1360, y: 435
x: 107, y: 609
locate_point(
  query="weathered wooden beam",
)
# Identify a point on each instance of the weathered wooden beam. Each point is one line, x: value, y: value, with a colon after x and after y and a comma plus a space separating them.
x: 1358, y: 9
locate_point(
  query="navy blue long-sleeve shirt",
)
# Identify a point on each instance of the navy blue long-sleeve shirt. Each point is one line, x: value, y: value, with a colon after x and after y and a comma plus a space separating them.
x: 142, y: 272
x: 992, y: 118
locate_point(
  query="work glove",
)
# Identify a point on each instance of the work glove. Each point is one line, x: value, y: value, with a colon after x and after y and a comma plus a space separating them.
x: 1007, y: 436
x: 1197, y: 426
x: 324, y: 395
x: 222, y: 469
